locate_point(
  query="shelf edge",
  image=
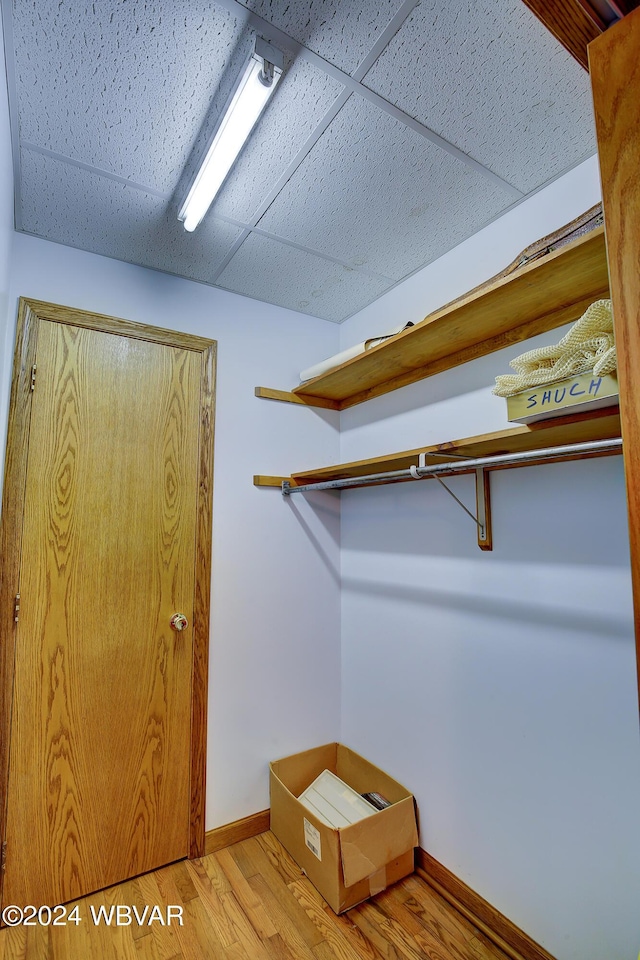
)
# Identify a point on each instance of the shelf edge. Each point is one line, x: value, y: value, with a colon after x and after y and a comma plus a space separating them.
x: 286, y: 396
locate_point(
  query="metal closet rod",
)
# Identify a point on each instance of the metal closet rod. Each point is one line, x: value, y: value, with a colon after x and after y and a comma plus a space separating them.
x: 462, y: 466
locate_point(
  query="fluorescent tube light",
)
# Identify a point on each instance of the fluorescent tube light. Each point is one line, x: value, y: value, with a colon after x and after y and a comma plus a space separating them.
x: 249, y: 99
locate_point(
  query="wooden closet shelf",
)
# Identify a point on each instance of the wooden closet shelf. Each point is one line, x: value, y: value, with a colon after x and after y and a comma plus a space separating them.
x: 551, y: 291
x: 597, y: 425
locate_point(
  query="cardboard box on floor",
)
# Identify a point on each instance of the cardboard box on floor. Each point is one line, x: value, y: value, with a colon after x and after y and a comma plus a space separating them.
x: 349, y: 864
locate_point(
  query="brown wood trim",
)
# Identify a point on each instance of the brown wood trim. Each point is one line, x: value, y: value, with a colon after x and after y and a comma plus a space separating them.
x: 505, y: 934
x: 230, y: 833
x: 285, y: 396
x: 569, y: 23
x: 29, y: 313
x: 201, y: 605
x: 615, y: 80
x: 15, y: 473
x: 123, y: 328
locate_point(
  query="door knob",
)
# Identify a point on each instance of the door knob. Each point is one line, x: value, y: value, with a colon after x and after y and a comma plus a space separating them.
x: 179, y: 622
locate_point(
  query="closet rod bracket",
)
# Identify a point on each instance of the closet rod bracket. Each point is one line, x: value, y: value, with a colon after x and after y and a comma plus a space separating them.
x: 482, y: 517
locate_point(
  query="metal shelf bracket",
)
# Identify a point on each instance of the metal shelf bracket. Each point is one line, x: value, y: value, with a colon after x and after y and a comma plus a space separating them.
x: 482, y: 517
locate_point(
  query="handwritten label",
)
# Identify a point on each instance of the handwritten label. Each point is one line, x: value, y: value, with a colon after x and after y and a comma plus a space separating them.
x: 556, y: 395
x: 556, y: 399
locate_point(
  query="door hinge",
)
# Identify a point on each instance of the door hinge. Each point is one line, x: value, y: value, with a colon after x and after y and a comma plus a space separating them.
x: 16, y: 608
x: 33, y: 376
x: 3, y: 860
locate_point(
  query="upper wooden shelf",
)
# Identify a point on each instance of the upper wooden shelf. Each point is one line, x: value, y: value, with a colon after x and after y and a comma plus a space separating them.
x: 603, y: 424
x: 551, y: 291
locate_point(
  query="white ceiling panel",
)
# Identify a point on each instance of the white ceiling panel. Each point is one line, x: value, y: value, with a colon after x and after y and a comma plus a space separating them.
x: 489, y: 78
x: 340, y: 32
x: 376, y: 194
x: 345, y: 186
x: 266, y: 269
x: 302, y: 98
x: 122, y: 86
x: 76, y: 207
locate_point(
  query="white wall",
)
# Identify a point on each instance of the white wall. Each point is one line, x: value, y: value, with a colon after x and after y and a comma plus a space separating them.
x: 6, y: 204
x: 275, y: 656
x: 500, y: 687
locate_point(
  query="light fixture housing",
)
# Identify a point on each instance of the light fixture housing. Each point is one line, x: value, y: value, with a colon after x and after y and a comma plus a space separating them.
x: 249, y: 98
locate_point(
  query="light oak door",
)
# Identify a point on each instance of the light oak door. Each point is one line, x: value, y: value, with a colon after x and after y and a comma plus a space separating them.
x: 101, y: 759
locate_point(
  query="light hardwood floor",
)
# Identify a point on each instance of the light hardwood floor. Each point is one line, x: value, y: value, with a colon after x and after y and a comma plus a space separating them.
x: 250, y: 901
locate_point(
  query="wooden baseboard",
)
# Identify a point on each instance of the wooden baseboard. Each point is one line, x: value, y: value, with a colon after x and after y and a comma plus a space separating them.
x: 505, y: 934
x: 511, y: 940
x: 234, y: 832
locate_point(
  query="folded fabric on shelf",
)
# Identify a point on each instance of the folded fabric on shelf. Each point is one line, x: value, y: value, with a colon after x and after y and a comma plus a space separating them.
x: 588, y: 346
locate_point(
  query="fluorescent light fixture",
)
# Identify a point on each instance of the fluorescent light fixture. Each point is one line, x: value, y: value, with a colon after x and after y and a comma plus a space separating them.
x: 247, y: 102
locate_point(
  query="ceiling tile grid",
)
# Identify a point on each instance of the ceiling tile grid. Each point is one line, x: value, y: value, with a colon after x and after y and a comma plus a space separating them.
x: 303, y: 97
x: 374, y: 193
x: 489, y: 78
x: 114, y: 220
x: 340, y: 32
x: 120, y: 86
x: 265, y: 269
x: 346, y: 185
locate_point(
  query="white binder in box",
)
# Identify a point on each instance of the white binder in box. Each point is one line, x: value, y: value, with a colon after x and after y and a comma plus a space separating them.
x: 335, y: 803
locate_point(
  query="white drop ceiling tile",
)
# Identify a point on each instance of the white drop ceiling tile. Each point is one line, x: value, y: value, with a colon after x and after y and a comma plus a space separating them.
x: 301, y: 99
x: 121, y: 86
x: 268, y: 270
x: 489, y: 78
x: 376, y: 194
x: 340, y: 31
x: 70, y: 205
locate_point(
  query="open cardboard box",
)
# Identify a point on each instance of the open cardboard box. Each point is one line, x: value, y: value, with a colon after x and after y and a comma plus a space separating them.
x: 349, y: 864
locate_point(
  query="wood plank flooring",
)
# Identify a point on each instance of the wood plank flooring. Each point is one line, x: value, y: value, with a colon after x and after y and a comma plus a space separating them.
x: 251, y: 901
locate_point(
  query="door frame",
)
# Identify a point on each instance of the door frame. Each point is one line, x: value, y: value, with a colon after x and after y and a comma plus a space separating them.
x: 30, y: 313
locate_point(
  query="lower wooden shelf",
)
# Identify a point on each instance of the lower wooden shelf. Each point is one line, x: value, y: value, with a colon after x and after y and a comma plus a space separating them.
x: 577, y: 428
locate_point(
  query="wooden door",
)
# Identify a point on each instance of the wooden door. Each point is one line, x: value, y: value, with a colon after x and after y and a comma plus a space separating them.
x: 100, y: 765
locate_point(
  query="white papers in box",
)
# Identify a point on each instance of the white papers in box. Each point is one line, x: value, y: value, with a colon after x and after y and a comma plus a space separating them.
x: 335, y: 803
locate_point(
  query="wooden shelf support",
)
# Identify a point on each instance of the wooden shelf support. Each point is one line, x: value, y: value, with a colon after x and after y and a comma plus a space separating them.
x: 482, y: 516
x: 483, y: 506
x: 285, y: 396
